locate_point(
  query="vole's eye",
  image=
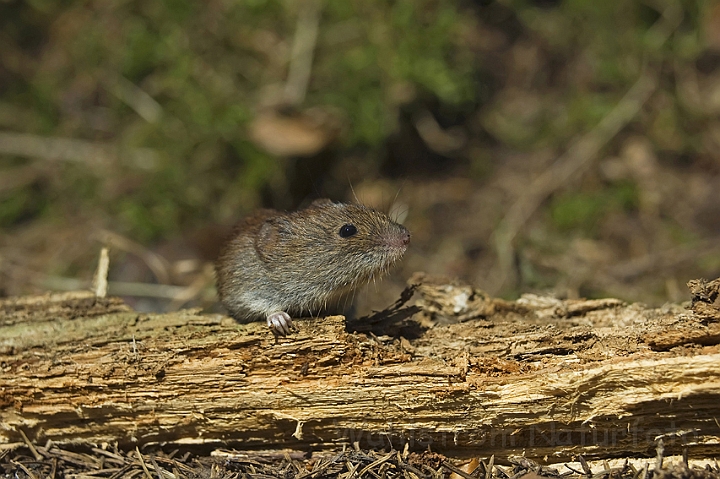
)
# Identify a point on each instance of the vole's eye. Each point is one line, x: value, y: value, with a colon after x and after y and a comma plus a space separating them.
x: 347, y: 230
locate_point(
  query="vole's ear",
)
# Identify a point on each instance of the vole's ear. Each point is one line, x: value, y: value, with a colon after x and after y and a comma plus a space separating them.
x: 270, y: 236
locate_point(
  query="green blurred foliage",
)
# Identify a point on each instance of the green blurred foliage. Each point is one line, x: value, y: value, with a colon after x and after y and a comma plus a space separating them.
x: 371, y: 49
x: 185, y: 79
x: 582, y: 211
x: 19, y: 206
x: 598, y: 49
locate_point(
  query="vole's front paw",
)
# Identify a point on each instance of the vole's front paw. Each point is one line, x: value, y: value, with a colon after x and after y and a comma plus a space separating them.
x: 280, y: 323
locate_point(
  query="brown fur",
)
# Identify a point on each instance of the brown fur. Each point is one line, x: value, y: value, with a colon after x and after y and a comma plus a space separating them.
x: 298, y: 262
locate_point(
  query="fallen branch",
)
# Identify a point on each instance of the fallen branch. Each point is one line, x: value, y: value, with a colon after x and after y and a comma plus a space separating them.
x: 538, y: 376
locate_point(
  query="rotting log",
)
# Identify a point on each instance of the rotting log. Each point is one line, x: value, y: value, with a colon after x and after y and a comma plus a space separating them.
x: 538, y: 376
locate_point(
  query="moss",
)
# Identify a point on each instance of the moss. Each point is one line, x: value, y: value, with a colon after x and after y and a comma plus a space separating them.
x: 582, y: 211
x: 23, y: 205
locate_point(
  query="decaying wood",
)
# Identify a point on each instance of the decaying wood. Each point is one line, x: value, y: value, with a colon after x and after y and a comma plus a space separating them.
x: 469, y: 375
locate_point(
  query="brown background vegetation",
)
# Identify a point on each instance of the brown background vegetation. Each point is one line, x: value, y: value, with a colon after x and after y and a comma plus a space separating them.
x: 559, y: 146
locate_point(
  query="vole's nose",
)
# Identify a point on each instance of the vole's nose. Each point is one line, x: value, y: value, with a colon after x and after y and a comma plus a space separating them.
x: 405, y: 236
x: 397, y: 237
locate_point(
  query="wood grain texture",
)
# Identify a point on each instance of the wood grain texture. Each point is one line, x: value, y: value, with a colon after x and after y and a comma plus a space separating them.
x: 539, y: 376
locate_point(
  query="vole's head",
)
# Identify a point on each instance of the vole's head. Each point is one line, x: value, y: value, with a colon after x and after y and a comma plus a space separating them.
x: 342, y: 245
x: 366, y: 235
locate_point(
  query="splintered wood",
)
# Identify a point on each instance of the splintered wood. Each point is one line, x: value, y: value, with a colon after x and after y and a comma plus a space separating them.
x: 462, y: 374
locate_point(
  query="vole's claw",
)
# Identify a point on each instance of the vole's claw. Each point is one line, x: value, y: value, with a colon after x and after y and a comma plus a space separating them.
x: 280, y: 323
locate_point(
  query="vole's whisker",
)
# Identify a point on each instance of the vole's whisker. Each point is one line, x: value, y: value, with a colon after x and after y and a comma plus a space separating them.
x: 353, y: 191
